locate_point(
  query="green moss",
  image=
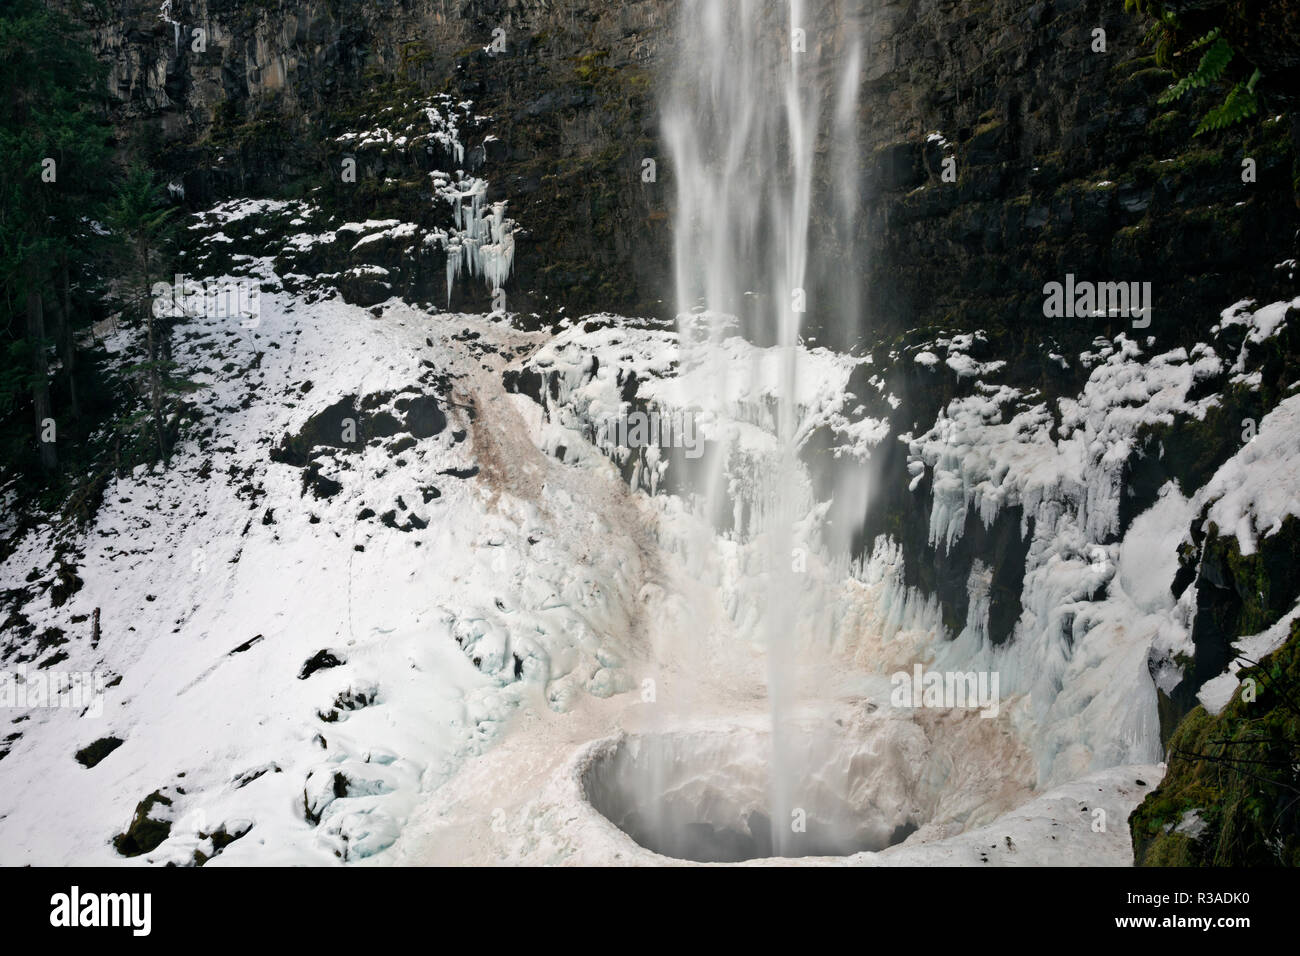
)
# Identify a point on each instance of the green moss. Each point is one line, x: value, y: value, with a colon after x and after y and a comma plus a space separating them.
x: 1154, y: 75
x: 1135, y: 65
x: 1238, y: 771
x: 1169, y: 122
x: 145, y: 832
x: 1091, y: 183
x: 1251, y: 577
x: 252, y: 125
x: 591, y: 66
x: 1193, y: 162
x: 1269, y: 139
x: 415, y: 53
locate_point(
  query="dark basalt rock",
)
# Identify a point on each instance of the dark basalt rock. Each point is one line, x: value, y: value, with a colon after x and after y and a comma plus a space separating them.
x: 221, y: 838
x: 319, y: 485
x: 247, y: 644
x: 321, y: 660
x: 146, y: 831
x: 341, y: 426
x: 1236, y: 595
x: 571, y: 100
x: 91, y: 755
x: 462, y: 473
x: 424, y: 417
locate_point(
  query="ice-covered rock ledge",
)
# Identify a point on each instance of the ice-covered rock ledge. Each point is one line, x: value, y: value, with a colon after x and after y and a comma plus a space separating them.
x: 1081, y: 823
x: 573, y: 797
x: 1060, y: 827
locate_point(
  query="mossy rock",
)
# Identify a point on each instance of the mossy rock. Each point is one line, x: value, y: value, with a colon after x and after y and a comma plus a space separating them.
x: 146, y: 832
x: 1238, y: 771
x: 92, y: 754
x: 1171, y: 122
x: 591, y: 66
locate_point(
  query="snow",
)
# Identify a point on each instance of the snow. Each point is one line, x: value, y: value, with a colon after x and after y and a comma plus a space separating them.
x: 544, y: 814
x: 1216, y: 693
x: 1061, y: 827
x: 1099, y: 619
x: 1260, y: 486
x: 370, y: 225
x: 1262, y: 323
x: 491, y: 636
x: 1080, y: 649
x: 535, y: 593
x: 403, y: 230
x: 729, y: 396
x: 1148, y: 555
x: 199, y: 717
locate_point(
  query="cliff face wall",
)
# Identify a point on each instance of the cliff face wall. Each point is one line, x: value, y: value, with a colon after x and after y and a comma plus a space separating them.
x: 1064, y: 161
x: 569, y: 102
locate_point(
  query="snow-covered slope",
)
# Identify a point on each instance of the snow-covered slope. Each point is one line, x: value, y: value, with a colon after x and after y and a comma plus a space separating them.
x: 446, y: 571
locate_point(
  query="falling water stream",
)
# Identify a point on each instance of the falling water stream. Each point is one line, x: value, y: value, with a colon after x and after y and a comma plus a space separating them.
x: 740, y: 118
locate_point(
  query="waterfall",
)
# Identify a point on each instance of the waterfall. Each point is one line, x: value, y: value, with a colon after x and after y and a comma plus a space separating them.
x: 165, y: 14
x: 741, y: 117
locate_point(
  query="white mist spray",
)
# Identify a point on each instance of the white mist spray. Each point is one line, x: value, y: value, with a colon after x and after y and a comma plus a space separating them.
x: 741, y: 119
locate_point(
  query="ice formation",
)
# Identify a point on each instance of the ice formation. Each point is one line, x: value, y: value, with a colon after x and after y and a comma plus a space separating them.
x: 479, y: 239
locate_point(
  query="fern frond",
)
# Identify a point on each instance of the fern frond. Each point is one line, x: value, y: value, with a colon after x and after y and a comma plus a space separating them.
x: 1215, y: 61
x: 1240, y: 103
x: 1212, y: 66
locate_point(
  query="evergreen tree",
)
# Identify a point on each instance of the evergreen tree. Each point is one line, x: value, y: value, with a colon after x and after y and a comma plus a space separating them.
x: 144, y: 232
x: 53, y: 156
